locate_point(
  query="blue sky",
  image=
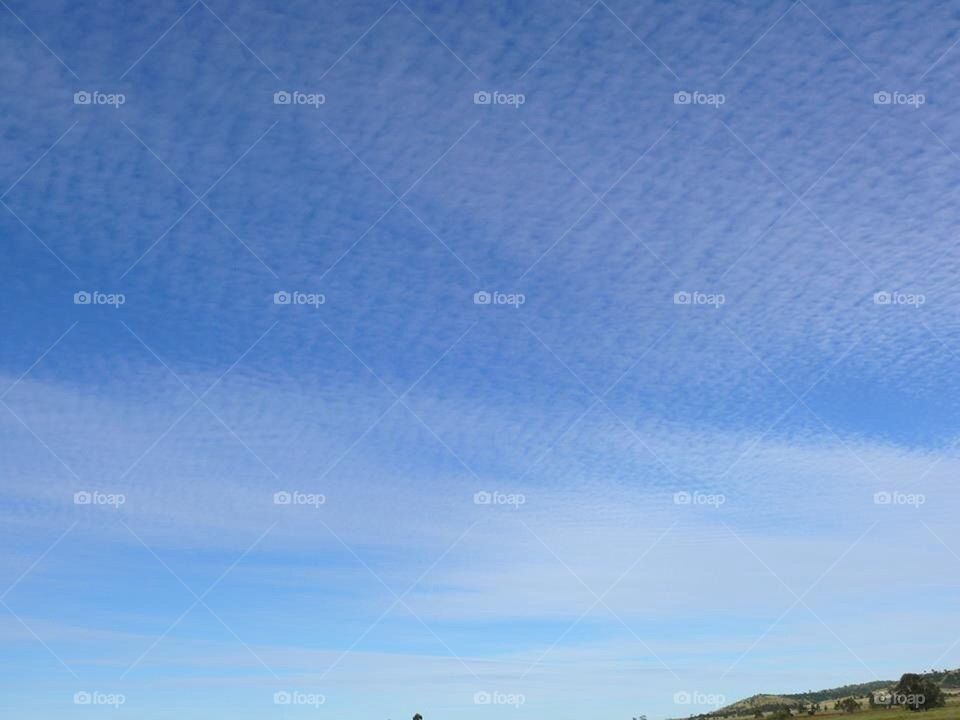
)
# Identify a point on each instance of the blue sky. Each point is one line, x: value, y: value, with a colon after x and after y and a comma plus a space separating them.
x: 753, y: 491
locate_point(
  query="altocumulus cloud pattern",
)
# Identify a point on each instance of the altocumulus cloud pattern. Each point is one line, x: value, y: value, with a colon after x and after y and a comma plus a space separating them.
x: 468, y: 358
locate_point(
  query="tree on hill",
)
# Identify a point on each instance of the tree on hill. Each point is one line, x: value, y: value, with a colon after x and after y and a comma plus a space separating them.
x: 781, y: 713
x: 917, y: 692
x: 418, y: 716
x: 847, y: 705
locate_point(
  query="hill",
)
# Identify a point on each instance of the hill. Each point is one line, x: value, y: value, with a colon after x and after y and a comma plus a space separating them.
x: 822, y: 701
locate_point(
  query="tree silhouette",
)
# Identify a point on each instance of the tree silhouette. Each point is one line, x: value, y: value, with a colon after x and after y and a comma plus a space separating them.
x: 920, y: 693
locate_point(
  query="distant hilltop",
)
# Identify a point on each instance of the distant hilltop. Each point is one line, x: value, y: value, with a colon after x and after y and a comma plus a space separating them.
x: 914, y: 691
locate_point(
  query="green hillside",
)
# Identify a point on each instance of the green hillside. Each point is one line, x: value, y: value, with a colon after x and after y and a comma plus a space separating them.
x: 866, y: 701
